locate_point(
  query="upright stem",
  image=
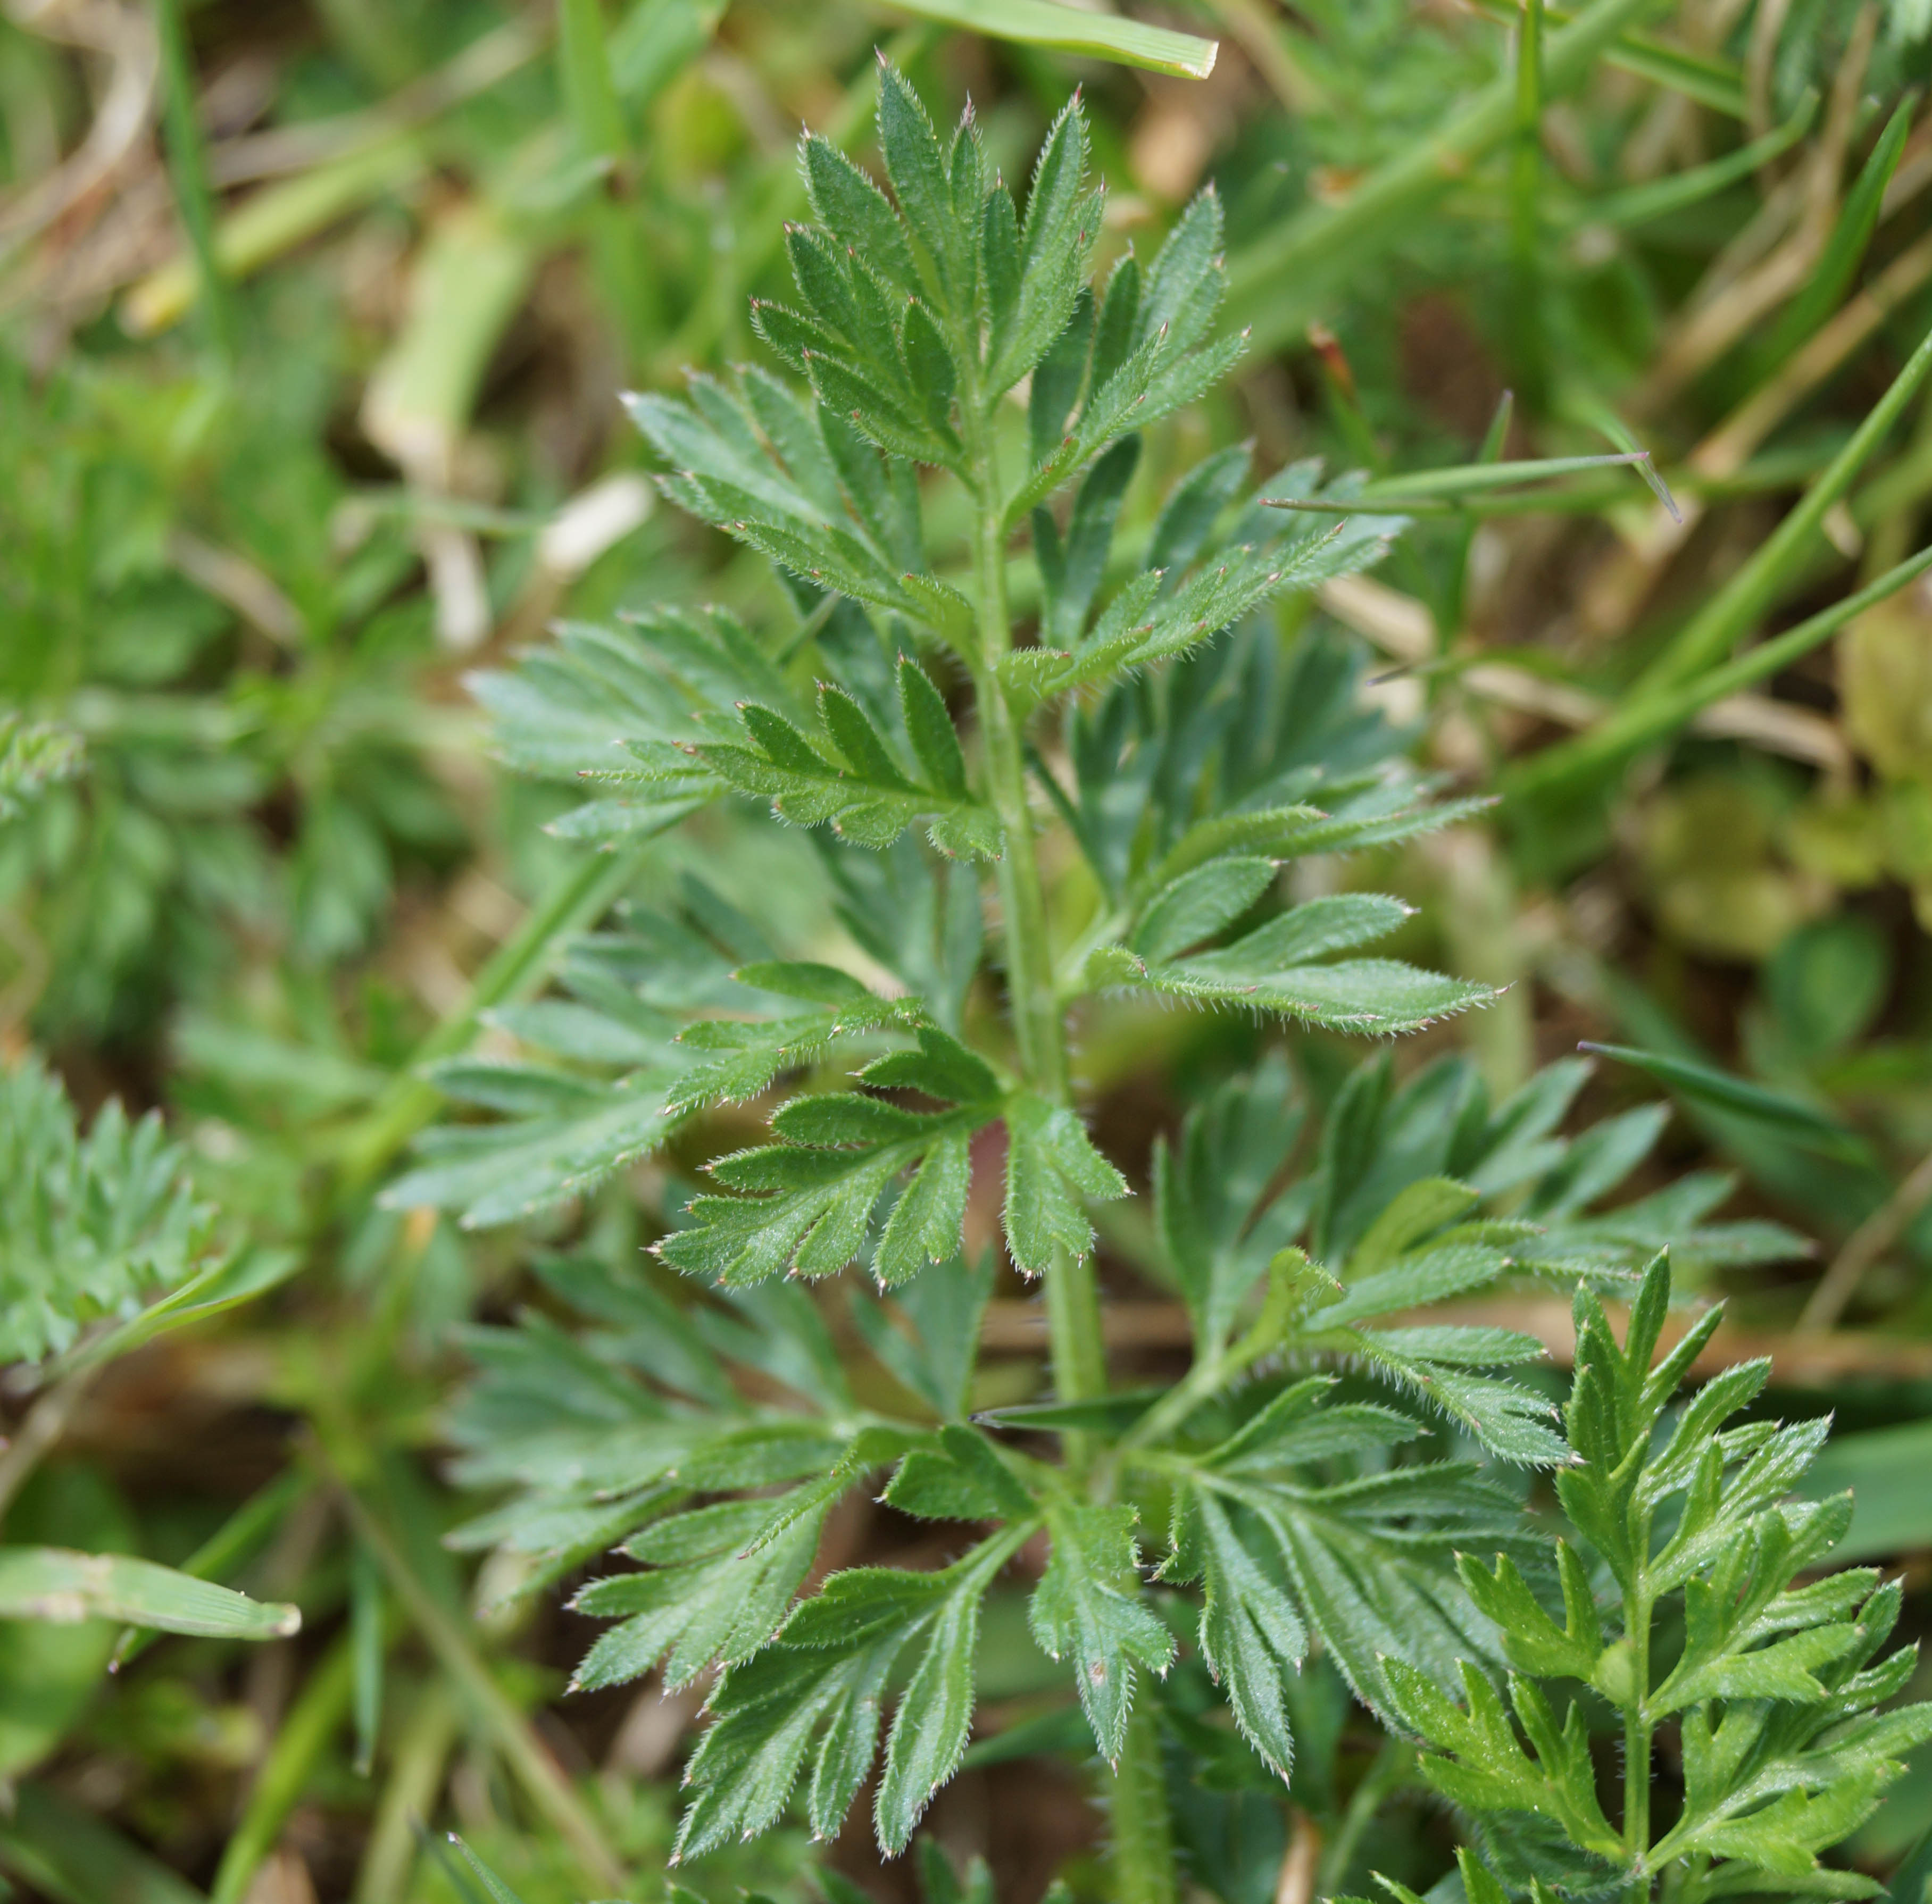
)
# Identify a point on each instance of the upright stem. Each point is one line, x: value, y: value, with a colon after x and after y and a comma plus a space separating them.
x: 1145, y: 1872
x: 1072, y: 1297
x: 1143, y: 1866
x: 1636, y: 1738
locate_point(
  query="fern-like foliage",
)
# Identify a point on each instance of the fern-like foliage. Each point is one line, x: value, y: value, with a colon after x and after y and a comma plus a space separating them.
x: 932, y: 706
x: 90, y: 1225
x: 1694, y: 1602
x: 1305, y: 1516
x: 1208, y: 768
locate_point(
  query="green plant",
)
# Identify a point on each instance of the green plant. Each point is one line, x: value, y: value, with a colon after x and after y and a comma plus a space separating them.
x: 312, y: 388
x: 1722, y: 1632
x: 34, y: 755
x: 1158, y: 726
x: 90, y: 1226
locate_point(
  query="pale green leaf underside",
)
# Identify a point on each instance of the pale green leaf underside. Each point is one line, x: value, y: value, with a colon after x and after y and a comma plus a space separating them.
x: 1075, y: 30
x: 55, y: 1584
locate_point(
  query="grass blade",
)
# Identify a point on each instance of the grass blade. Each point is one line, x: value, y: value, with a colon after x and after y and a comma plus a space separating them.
x: 516, y: 968
x: 367, y: 1641
x: 1738, y: 1097
x: 54, y: 1583
x: 310, y: 1724
x: 1454, y: 598
x: 499, y: 1892
x: 1074, y: 30
x: 271, y: 224
x: 583, y: 66
x: 71, y: 1855
x: 187, y: 169
x: 1275, y: 282
x: 231, y: 1545
x: 1833, y: 273
x: 1710, y: 82
x: 1639, y: 204
x: 1452, y: 485
x: 536, y: 1770
x: 1526, y: 202
x: 1640, y: 722
x: 1474, y: 478
x: 1711, y: 635
x: 1599, y: 416
x: 437, y: 1845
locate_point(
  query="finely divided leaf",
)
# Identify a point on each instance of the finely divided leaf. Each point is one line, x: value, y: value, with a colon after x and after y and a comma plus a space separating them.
x: 808, y: 1200
x: 1271, y: 969
x: 848, y: 776
x: 1052, y: 1167
x: 1087, y: 1608
x: 808, y: 1705
x: 91, y: 1225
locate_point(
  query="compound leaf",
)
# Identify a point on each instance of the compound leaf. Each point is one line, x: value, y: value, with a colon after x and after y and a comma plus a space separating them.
x: 1087, y: 1608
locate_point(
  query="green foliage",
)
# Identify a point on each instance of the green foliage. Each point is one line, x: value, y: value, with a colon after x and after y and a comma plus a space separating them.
x: 1276, y: 1495
x: 916, y: 319
x: 1775, y: 1689
x: 143, y: 490
x: 89, y: 1225
x: 1025, y: 790
x: 34, y: 755
x: 1202, y: 755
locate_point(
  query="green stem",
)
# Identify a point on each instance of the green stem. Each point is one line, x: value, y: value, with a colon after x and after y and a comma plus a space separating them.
x: 1144, y: 1845
x: 410, y: 1796
x: 1637, y: 1742
x: 520, y: 964
x: 1144, y: 1867
x: 542, y: 1780
x: 1526, y: 201
x: 1393, y: 1762
x: 304, y: 1736
x: 1072, y: 1296
x: 46, y: 1422
x: 1037, y: 1024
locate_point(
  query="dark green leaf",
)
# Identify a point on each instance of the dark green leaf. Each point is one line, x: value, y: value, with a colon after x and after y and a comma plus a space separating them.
x: 1719, y: 1091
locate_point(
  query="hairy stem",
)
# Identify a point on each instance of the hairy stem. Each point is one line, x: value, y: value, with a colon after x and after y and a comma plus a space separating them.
x: 1143, y: 1866
x: 1636, y: 1740
x: 1137, y: 1804
x: 1072, y: 1298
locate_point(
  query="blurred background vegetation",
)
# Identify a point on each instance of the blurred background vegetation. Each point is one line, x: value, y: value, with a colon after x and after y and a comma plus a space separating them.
x: 313, y: 315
